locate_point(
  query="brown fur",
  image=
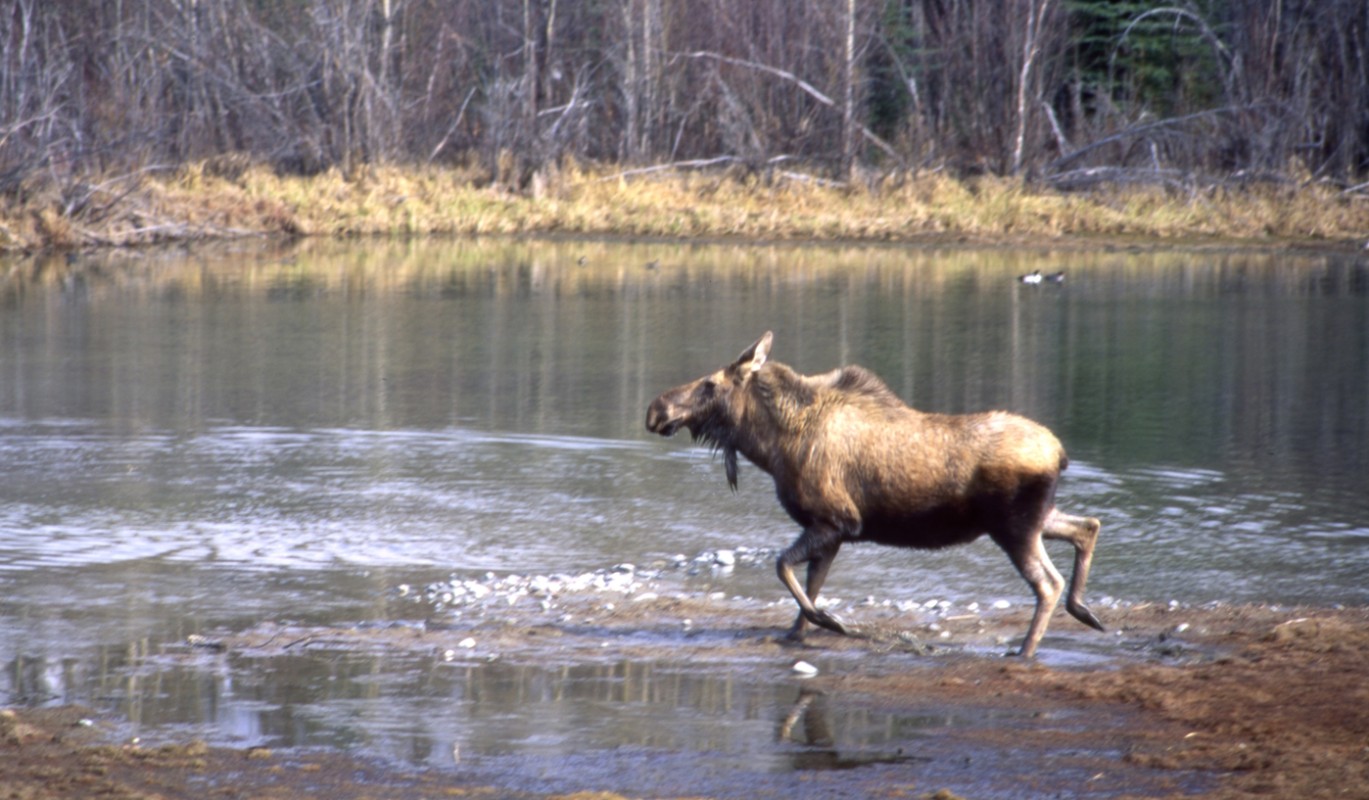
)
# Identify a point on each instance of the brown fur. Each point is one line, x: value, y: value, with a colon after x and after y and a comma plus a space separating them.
x: 851, y: 462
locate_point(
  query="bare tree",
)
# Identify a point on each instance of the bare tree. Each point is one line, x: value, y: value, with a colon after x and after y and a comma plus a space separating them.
x: 1028, y: 83
x: 1240, y: 88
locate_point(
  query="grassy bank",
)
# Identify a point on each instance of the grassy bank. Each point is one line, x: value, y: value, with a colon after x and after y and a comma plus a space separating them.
x: 221, y: 199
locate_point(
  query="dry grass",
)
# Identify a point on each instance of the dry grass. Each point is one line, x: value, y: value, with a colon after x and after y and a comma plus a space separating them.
x: 209, y: 199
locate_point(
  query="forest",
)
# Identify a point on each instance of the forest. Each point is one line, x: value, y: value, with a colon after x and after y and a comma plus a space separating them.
x: 1062, y: 94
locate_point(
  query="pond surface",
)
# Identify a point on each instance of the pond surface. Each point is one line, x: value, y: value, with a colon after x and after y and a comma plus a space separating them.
x: 209, y: 438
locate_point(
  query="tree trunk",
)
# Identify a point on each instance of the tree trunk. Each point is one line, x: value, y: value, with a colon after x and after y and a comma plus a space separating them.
x: 848, y: 128
x: 1031, y: 48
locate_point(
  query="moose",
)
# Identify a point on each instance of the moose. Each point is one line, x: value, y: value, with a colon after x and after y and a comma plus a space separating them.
x: 851, y: 463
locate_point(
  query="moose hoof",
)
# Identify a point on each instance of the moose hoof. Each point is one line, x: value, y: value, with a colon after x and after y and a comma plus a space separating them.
x: 1082, y: 613
x: 825, y: 620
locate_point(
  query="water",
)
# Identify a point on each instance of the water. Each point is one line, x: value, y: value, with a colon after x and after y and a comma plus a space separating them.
x: 202, y: 439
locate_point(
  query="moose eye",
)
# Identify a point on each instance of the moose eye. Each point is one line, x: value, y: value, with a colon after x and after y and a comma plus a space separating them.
x: 707, y: 389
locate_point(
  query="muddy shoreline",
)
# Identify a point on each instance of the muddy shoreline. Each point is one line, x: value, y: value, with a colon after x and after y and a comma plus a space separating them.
x: 1216, y: 702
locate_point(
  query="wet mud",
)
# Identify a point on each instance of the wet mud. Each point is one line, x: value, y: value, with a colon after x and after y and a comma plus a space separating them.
x: 1214, y: 702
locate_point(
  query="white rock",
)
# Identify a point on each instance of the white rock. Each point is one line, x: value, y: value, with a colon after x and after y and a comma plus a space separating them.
x: 467, y: 643
x: 805, y: 669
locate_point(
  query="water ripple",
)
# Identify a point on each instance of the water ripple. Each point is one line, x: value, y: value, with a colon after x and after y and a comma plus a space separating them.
x: 76, y: 492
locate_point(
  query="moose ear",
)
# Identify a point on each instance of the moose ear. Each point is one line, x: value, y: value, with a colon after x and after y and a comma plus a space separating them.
x: 755, y: 356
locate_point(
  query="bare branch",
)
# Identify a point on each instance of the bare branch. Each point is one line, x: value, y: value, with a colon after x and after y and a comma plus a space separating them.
x: 456, y: 123
x: 1224, y: 56
x: 808, y: 88
x: 696, y: 163
x: 701, y: 163
x: 1138, y: 130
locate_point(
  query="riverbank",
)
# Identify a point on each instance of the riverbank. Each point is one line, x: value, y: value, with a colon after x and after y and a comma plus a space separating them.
x: 224, y: 198
x: 1214, y: 702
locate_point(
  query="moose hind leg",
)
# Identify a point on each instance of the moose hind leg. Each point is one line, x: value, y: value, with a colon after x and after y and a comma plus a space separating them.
x: 817, y: 547
x: 1082, y: 533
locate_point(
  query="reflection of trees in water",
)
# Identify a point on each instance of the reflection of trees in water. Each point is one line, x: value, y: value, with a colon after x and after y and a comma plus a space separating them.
x: 1141, y: 357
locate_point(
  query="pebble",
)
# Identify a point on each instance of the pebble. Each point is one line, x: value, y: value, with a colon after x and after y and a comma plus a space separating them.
x: 805, y: 669
x: 467, y: 643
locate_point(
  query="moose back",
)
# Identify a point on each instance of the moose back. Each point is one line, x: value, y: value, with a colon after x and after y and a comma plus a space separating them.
x: 852, y: 463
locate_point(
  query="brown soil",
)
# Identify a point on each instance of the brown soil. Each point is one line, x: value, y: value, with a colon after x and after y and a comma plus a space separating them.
x: 1268, y: 702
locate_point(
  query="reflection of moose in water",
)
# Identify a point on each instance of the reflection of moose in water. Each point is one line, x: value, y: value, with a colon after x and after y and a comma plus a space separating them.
x: 808, y: 724
x: 852, y: 463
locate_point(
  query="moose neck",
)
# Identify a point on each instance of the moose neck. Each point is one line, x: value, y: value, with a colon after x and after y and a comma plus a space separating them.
x: 776, y: 397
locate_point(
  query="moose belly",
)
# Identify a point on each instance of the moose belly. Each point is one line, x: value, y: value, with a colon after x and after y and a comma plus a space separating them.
x: 930, y: 529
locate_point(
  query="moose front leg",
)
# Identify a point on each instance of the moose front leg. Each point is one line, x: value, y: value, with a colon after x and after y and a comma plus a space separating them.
x: 817, y: 546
